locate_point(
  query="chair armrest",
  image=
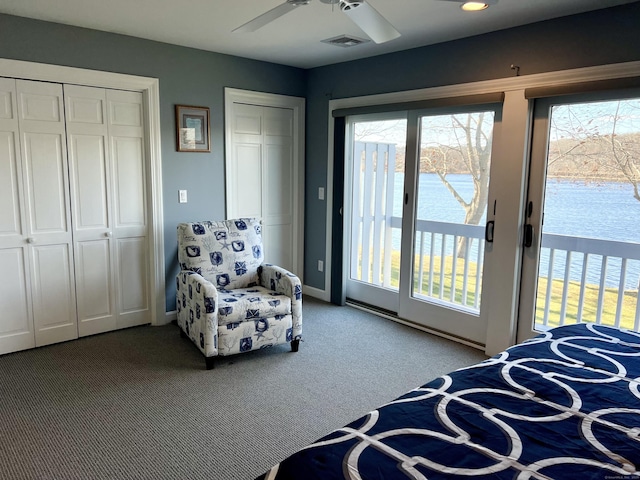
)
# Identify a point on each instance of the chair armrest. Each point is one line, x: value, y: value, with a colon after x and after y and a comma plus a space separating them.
x: 283, y: 281
x: 197, y: 311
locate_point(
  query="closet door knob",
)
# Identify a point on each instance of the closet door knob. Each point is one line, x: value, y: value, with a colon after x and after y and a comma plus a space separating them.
x: 108, y: 234
x: 31, y: 240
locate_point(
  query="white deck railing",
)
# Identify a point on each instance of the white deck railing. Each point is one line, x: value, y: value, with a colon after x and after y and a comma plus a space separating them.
x: 581, y: 264
x: 610, y: 262
x: 437, y: 243
x: 601, y: 268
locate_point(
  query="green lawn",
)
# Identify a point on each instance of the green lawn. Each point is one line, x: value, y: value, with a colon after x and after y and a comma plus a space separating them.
x: 589, y: 311
x: 448, y: 270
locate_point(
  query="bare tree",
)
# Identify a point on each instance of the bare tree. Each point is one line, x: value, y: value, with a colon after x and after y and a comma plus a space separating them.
x: 596, y: 142
x: 625, y: 148
x: 466, y: 148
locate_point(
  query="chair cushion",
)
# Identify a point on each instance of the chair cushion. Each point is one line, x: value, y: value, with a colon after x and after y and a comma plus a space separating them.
x: 226, y: 253
x: 245, y: 336
x: 249, y: 304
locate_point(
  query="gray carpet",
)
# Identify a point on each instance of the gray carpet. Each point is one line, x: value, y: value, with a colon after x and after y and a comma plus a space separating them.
x: 138, y: 403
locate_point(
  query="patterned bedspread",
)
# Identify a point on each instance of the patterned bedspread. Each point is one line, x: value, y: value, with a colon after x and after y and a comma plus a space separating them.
x: 564, y: 405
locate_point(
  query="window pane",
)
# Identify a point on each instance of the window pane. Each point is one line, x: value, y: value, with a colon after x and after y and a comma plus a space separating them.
x: 590, y: 257
x: 376, y: 216
x: 453, y: 186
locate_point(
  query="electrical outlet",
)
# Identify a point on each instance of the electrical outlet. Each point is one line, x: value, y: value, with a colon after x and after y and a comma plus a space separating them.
x: 182, y: 196
x: 320, y: 266
x: 320, y: 193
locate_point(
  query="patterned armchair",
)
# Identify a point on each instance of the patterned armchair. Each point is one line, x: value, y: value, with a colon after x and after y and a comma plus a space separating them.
x: 228, y: 301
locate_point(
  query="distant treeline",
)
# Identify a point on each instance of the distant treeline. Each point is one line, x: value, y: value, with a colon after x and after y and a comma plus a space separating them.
x: 588, y: 159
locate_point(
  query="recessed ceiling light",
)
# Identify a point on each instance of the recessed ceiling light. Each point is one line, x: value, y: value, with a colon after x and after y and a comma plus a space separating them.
x: 474, y: 6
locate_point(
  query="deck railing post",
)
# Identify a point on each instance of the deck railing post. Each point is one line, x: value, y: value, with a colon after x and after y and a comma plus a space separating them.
x: 388, y: 214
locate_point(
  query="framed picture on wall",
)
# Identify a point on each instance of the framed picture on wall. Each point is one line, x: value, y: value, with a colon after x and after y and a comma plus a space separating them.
x: 193, y: 132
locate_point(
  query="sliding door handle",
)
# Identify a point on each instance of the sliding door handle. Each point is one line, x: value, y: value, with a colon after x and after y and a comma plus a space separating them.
x: 488, y: 231
x: 528, y: 235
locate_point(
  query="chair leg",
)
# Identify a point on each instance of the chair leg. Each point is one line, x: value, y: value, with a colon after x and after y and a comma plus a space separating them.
x: 210, y: 362
x: 295, y: 345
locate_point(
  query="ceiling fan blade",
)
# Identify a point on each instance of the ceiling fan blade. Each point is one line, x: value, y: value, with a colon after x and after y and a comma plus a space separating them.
x: 267, y: 17
x: 369, y: 20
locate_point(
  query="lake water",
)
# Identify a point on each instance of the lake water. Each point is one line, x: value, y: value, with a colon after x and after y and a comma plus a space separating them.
x: 605, y: 211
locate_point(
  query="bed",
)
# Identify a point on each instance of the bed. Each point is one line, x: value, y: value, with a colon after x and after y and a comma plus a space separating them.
x: 563, y: 405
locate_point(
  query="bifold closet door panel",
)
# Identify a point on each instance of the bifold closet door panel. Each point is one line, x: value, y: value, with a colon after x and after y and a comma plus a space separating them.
x: 129, y: 193
x: 53, y: 288
x: 16, y: 323
x: 74, y: 240
x: 87, y: 141
x: 105, y: 133
x: 48, y: 216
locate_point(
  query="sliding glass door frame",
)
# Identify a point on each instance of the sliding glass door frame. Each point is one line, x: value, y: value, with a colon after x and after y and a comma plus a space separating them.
x: 439, y: 316
x: 509, y: 182
x: 537, y: 178
x: 502, y: 258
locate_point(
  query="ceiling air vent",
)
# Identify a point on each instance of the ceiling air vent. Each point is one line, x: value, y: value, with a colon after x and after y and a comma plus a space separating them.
x: 345, y: 41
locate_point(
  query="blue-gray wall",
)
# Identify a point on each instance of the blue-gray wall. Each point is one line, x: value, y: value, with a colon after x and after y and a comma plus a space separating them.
x: 189, y: 76
x: 186, y: 76
x: 595, y: 38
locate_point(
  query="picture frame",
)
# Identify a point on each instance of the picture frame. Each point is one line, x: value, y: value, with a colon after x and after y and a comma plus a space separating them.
x: 193, y: 129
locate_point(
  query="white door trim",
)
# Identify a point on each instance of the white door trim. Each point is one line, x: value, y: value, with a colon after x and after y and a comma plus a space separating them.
x: 297, y: 104
x: 150, y: 89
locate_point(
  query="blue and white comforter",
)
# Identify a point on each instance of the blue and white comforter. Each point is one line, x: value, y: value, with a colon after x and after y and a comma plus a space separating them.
x: 563, y: 405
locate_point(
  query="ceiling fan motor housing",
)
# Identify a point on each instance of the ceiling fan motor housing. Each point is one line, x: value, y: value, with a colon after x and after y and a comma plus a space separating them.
x: 347, y: 5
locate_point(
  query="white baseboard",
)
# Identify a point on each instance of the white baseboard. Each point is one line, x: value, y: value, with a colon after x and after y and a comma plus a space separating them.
x: 316, y: 293
x: 170, y: 317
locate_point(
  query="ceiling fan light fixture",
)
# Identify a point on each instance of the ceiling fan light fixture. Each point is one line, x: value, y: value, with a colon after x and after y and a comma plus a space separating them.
x: 346, y: 5
x: 474, y: 6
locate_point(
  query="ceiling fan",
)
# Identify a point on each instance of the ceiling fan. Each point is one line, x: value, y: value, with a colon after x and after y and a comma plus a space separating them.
x: 370, y: 21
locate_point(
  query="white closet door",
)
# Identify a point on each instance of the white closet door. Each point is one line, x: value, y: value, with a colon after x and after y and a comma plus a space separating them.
x: 87, y: 141
x: 245, y: 188
x: 277, y: 209
x: 125, y: 121
x: 48, y: 225
x: 16, y: 323
x: 107, y: 170
x: 262, y: 177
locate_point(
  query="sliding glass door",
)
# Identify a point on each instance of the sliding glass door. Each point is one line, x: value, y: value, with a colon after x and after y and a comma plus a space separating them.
x: 582, y: 263
x: 417, y: 190
x: 497, y: 220
x: 447, y: 185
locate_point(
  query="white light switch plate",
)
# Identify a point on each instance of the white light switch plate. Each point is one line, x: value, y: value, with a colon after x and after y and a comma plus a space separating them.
x: 182, y: 196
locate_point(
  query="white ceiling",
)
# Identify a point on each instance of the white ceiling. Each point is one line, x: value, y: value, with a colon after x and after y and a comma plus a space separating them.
x: 294, y: 39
